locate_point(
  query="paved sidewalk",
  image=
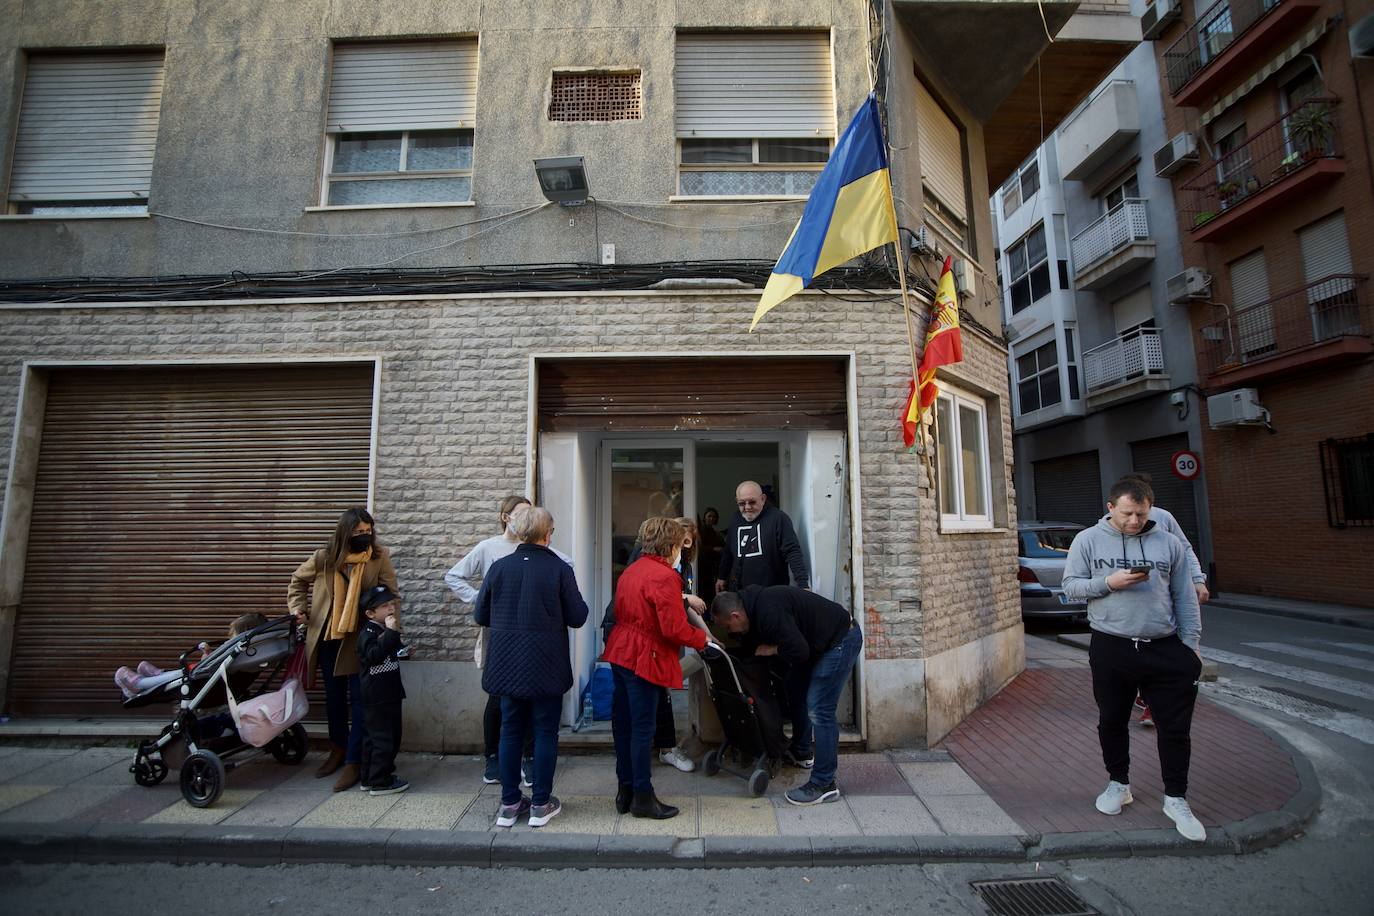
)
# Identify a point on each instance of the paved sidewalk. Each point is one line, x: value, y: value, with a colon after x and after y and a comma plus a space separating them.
x: 1014, y: 782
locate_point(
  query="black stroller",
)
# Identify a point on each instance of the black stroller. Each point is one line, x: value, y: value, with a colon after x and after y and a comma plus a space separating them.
x: 745, y: 693
x: 253, y: 663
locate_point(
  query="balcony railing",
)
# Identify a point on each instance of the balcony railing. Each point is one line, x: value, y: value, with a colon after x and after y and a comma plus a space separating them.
x: 1118, y: 227
x: 1213, y: 32
x: 1135, y: 355
x: 1327, y: 310
x: 1305, y: 135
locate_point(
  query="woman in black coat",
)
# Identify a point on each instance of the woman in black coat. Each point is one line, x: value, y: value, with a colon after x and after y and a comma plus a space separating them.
x: 529, y: 600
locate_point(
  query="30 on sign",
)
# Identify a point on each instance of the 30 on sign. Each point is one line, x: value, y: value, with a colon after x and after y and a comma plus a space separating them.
x: 1186, y: 465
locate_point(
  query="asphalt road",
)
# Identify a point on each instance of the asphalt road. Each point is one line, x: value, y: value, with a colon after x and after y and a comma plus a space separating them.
x: 1271, y: 677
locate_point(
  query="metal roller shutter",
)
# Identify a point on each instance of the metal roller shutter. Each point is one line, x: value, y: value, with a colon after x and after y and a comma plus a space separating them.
x: 1325, y: 248
x: 403, y: 86
x: 941, y: 148
x: 692, y: 394
x: 1250, y: 302
x: 1069, y: 489
x: 753, y: 84
x: 1155, y: 457
x: 167, y: 503
x: 87, y: 127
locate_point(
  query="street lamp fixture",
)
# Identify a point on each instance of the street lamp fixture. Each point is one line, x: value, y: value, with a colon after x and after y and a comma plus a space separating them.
x: 563, y: 179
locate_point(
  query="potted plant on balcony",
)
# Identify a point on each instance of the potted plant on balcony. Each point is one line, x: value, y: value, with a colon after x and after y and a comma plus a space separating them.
x: 1287, y: 164
x: 1229, y: 192
x: 1311, y: 130
x: 1202, y: 216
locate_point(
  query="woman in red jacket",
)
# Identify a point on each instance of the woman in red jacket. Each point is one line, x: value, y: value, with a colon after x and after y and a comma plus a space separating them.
x: 650, y: 627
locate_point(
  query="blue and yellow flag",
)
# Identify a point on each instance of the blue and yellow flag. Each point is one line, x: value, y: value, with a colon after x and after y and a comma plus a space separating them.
x: 849, y: 211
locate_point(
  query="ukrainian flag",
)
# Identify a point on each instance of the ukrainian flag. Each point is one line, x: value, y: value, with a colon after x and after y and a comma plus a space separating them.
x: 849, y: 211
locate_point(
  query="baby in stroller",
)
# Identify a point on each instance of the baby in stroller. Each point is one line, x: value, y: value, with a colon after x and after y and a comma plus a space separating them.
x: 147, y: 675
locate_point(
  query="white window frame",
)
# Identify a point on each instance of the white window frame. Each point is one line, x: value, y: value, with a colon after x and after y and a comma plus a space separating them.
x: 1041, y: 371
x: 754, y: 165
x: 402, y: 174
x: 1014, y: 278
x: 1014, y: 189
x: 959, y: 521
x: 1120, y: 187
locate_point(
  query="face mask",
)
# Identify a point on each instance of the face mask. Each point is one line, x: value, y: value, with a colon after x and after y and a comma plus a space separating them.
x: 359, y: 542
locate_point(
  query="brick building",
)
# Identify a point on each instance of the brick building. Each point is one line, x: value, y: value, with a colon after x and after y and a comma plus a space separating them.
x: 1269, y: 116
x: 258, y: 268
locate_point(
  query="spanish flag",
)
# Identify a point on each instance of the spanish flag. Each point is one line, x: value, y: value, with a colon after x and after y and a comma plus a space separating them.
x: 944, y: 345
x: 849, y: 211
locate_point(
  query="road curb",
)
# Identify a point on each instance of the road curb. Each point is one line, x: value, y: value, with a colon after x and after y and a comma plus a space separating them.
x: 1361, y: 623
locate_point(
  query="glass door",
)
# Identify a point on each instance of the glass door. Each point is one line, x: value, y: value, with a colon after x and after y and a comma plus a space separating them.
x: 641, y: 480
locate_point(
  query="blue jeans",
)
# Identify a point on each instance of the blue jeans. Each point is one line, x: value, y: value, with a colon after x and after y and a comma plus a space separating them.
x: 517, y: 718
x: 828, y: 678
x: 342, y: 696
x: 634, y: 718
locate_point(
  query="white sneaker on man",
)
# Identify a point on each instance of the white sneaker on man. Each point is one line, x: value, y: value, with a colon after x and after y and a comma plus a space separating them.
x: 1113, y: 797
x: 675, y: 758
x: 1176, y: 807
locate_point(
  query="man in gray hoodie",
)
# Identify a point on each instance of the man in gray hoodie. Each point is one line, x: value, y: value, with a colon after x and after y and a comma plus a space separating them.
x: 1146, y: 635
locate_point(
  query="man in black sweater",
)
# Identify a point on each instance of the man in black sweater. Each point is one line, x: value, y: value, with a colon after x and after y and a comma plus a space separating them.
x: 379, y: 650
x: 820, y: 642
x: 761, y: 545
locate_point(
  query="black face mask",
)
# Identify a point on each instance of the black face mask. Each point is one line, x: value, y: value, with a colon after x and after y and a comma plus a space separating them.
x: 359, y: 542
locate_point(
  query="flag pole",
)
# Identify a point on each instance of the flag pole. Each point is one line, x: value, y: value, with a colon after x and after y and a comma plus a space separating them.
x: 915, y: 371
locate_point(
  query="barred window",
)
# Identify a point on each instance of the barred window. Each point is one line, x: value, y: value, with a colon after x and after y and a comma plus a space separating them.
x: 595, y: 96
x: 1348, y: 477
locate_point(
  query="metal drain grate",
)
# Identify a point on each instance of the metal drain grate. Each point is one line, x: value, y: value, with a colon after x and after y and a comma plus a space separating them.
x: 1030, y: 897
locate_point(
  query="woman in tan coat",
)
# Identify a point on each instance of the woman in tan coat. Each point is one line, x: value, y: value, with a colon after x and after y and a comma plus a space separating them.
x: 324, y: 593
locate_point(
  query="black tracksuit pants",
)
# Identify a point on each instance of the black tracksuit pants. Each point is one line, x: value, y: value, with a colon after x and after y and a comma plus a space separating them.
x: 1165, y: 672
x: 383, y: 740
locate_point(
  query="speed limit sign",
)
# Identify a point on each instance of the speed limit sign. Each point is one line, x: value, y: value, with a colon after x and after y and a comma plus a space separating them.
x: 1186, y: 465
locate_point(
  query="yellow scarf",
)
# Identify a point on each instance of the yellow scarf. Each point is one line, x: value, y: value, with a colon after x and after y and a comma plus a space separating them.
x: 343, y: 618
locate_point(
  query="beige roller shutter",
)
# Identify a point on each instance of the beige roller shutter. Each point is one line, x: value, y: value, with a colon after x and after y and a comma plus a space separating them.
x: 87, y: 127
x: 429, y: 85
x: 1326, y: 265
x: 941, y: 148
x: 1254, y: 315
x: 167, y: 503
x: 754, y: 84
x: 1325, y: 248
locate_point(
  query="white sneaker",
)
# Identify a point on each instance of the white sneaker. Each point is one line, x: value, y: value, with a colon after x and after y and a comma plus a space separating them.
x: 1176, y: 807
x: 1113, y: 797
x: 674, y: 757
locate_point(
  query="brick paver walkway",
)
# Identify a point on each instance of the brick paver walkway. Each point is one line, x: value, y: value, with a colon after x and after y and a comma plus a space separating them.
x: 1034, y: 749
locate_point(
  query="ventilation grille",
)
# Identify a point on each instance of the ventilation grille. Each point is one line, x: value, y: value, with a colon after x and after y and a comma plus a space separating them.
x: 1030, y: 897
x: 595, y: 97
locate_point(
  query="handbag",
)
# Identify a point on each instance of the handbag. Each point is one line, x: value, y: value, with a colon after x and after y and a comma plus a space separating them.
x: 264, y: 717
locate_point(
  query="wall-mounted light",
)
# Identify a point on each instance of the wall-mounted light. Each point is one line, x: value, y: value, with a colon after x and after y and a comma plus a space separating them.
x: 563, y: 179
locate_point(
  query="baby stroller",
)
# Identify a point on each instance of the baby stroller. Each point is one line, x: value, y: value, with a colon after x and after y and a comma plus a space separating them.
x: 251, y: 663
x: 746, y: 702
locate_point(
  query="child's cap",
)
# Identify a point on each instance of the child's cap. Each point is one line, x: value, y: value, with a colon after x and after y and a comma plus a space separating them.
x: 375, y: 597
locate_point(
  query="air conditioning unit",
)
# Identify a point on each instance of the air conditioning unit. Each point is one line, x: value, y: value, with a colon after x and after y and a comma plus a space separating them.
x: 1158, y: 16
x: 1193, y: 283
x: 1175, y: 154
x: 1236, y: 408
x: 963, y: 276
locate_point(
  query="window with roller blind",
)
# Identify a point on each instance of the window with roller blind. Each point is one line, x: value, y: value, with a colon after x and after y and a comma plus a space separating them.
x: 1252, y: 310
x: 754, y: 112
x: 87, y: 134
x: 401, y: 124
x: 940, y: 144
x: 1329, y: 275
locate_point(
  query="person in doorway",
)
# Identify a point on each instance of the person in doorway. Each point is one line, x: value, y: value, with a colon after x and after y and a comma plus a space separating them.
x: 529, y: 600
x: 323, y: 594
x: 1165, y: 519
x: 463, y: 580
x: 379, y: 653
x: 761, y: 546
x: 1146, y: 638
x: 819, y: 641
x: 643, y: 653
x: 710, y: 545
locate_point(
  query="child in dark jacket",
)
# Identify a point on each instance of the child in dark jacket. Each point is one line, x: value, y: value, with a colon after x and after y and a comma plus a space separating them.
x: 379, y: 654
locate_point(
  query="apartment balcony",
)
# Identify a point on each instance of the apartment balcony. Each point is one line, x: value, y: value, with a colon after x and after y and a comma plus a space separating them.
x: 1325, y: 322
x: 1112, y: 246
x: 1285, y: 159
x: 1224, y: 40
x: 1124, y: 369
x: 1099, y: 130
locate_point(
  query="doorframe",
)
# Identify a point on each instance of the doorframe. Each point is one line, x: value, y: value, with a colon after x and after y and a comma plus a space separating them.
x: 851, y: 433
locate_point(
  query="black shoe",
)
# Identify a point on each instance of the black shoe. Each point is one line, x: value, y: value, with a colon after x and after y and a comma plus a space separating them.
x: 623, y: 796
x: 646, y: 804
x: 397, y: 784
x: 813, y: 794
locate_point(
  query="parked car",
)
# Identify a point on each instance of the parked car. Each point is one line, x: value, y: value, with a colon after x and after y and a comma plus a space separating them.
x: 1043, y: 550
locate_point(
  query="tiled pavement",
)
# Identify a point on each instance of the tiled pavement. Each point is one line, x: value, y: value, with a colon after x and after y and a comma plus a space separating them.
x: 1027, y: 763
